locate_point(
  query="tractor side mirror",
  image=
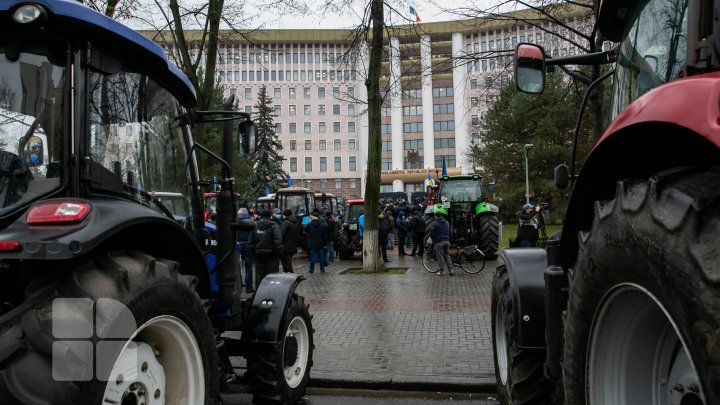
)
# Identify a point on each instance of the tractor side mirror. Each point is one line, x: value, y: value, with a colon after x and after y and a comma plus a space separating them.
x: 562, y: 176
x: 491, y: 187
x: 529, y: 68
x: 248, y: 137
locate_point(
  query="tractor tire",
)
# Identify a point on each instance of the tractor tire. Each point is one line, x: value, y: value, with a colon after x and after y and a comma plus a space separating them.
x: 488, y: 235
x: 279, y: 375
x: 344, y: 249
x: 114, y: 312
x: 519, y: 372
x: 642, y: 320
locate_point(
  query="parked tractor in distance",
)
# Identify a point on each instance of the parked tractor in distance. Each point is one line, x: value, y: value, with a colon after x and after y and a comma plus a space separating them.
x: 108, y: 297
x: 349, y: 240
x: 623, y: 307
x: 473, y: 220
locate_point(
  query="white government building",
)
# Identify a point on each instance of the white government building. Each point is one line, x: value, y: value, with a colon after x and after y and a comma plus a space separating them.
x: 438, y: 79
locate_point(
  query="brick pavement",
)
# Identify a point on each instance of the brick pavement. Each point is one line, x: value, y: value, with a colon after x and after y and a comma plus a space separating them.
x: 412, y: 331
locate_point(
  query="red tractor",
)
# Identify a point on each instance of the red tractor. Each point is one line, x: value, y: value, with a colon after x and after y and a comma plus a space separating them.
x: 624, y: 306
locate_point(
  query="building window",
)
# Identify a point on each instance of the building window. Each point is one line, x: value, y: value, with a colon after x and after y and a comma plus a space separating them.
x: 449, y: 160
x: 321, y: 92
x: 306, y: 109
x: 443, y: 125
x: 308, y: 145
x: 443, y: 92
x: 386, y: 164
x: 474, y: 119
x: 338, y: 183
x: 322, y: 144
x: 293, y: 164
x: 336, y: 144
x: 307, y: 127
x: 323, y: 184
x: 277, y: 110
x: 336, y: 92
x: 292, y: 127
x: 385, y: 129
x: 336, y: 109
x: 278, y: 127
x: 321, y: 109
x: 338, y: 163
x: 248, y: 109
x: 352, y: 163
x: 351, y: 144
x: 323, y: 164
x: 291, y: 92
x: 444, y: 143
x: 473, y: 84
x: 386, y: 145
x: 321, y: 127
x: 336, y: 127
x: 351, y: 109
x: 306, y: 92
x: 351, y: 127
x: 473, y: 101
x: 292, y: 109
x: 351, y: 91
x: 293, y: 145
x: 248, y: 93
x: 443, y: 108
x: 410, y: 127
x: 277, y: 92
x: 488, y: 81
x: 353, y: 183
x: 308, y: 164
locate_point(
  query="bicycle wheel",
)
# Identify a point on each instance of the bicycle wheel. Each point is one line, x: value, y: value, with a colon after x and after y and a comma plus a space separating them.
x: 471, y: 260
x: 429, y: 261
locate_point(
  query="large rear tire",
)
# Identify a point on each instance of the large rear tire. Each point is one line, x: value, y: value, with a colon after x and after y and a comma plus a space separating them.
x: 488, y: 235
x: 642, y: 320
x: 279, y: 375
x: 343, y: 245
x: 519, y: 372
x: 122, y: 326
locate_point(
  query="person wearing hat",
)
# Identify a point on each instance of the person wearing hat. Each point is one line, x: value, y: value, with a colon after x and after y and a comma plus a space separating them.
x: 527, y: 231
x: 266, y: 245
x: 332, y: 230
x: 316, y: 231
x: 243, y: 239
x: 440, y: 236
x: 290, y: 235
x: 384, y: 229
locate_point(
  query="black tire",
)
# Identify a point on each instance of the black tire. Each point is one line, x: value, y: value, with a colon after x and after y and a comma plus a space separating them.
x: 656, y: 239
x: 343, y: 245
x: 519, y: 372
x: 488, y: 235
x: 151, y: 289
x: 266, y: 377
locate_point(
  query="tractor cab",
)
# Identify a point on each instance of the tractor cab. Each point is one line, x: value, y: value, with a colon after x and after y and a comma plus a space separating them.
x: 325, y: 202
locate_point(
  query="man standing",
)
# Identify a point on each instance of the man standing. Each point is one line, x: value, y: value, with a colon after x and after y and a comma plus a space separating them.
x: 402, y: 228
x: 440, y: 235
x: 332, y: 229
x: 243, y: 239
x: 266, y: 244
x: 316, y: 238
x: 384, y: 228
x: 289, y: 231
x: 418, y: 229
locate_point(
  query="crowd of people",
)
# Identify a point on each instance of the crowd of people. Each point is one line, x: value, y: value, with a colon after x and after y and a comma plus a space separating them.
x: 274, y: 238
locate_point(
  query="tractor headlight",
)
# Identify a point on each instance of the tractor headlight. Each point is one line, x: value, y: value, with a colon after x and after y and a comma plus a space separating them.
x: 29, y: 13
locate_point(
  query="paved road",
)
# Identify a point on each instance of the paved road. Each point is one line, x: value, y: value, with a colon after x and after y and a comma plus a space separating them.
x: 364, y: 397
x: 411, y: 331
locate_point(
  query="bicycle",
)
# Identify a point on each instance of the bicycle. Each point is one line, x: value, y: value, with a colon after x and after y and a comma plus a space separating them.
x: 469, y: 258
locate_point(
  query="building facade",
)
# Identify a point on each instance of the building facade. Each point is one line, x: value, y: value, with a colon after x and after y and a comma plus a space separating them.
x: 438, y: 79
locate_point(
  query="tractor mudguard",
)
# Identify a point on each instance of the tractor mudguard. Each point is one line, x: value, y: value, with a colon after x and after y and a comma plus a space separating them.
x: 483, y: 207
x: 266, y: 317
x: 526, y: 271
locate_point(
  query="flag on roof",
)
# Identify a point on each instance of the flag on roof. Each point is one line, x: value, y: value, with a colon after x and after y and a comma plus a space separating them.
x: 267, y: 190
x: 444, y: 169
x: 414, y: 12
x: 289, y: 184
x: 429, y: 182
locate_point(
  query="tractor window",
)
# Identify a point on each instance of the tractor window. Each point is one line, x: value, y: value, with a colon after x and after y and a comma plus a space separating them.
x: 461, y: 190
x: 32, y: 94
x: 652, y: 51
x: 354, y: 212
x: 134, y: 135
x: 294, y: 202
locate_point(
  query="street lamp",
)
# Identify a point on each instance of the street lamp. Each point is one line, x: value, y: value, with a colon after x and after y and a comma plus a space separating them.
x: 528, y: 146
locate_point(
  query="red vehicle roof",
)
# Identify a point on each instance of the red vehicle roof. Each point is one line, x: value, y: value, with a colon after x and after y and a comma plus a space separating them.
x: 353, y: 202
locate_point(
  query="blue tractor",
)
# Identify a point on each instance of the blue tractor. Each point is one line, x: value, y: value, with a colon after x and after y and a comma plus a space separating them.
x: 108, y: 295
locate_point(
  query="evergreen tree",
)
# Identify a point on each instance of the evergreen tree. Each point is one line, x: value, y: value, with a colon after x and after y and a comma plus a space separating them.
x: 545, y: 120
x: 268, y: 161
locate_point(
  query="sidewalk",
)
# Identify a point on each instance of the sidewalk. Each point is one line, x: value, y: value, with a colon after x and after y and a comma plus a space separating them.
x: 416, y: 331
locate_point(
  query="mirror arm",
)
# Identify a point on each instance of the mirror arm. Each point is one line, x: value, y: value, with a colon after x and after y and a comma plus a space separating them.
x: 596, y: 58
x: 222, y: 161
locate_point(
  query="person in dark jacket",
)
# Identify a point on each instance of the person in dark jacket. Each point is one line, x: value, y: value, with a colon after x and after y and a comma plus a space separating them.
x: 243, y: 239
x: 266, y: 245
x: 332, y: 230
x: 440, y: 235
x: 384, y: 228
x: 316, y: 231
x: 290, y: 235
x: 401, y: 225
x: 528, y: 221
x: 418, y: 229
